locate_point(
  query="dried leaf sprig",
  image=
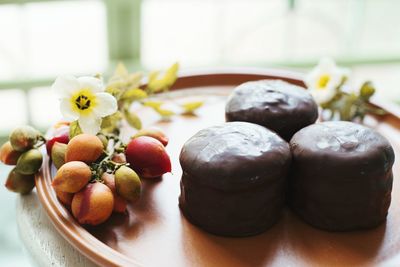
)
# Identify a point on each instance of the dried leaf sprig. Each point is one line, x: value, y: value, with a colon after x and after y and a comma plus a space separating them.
x: 328, y: 85
x: 352, y: 106
x: 128, y: 88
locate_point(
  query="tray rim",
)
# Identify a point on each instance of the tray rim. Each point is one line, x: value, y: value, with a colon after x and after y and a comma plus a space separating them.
x: 98, y: 251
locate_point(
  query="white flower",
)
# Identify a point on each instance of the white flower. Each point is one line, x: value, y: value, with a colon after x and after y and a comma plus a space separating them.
x: 324, y: 79
x: 84, y: 99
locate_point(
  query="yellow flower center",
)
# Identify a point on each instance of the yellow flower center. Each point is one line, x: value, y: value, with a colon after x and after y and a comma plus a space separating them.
x: 323, y: 81
x: 83, y: 101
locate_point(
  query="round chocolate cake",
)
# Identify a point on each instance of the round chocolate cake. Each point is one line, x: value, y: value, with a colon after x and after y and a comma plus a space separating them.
x: 234, y: 178
x: 280, y: 106
x: 341, y: 176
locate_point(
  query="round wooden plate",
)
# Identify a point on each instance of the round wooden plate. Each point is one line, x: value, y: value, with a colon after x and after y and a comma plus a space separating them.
x: 154, y: 233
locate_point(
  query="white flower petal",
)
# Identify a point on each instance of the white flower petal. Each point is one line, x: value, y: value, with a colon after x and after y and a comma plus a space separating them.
x: 323, y: 96
x: 90, y: 124
x: 67, y: 111
x: 334, y: 80
x: 94, y: 84
x: 326, y: 66
x: 106, y: 104
x: 64, y: 86
x: 312, y: 77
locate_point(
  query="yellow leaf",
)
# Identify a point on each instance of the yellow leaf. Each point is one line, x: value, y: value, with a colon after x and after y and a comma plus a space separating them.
x: 164, y: 112
x: 153, y: 76
x: 171, y: 74
x: 120, y: 70
x: 111, y: 121
x: 134, y: 94
x: 156, y: 84
x: 114, y: 91
x: 133, y: 80
x: 190, y: 107
x: 153, y: 104
x: 133, y: 119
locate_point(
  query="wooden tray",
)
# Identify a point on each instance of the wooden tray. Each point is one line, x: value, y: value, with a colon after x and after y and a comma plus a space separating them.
x: 154, y: 233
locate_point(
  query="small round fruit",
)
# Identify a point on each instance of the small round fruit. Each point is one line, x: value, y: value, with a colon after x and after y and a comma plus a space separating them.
x: 64, y: 197
x: 93, y: 205
x: 103, y: 140
x: 127, y: 183
x: 72, y: 177
x: 20, y: 183
x: 8, y: 155
x: 148, y: 157
x: 61, y: 135
x: 119, y: 202
x: 119, y: 158
x: 155, y: 133
x: 58, y: 154
x: 84, y: 147
x: 29, y: 162
x: 24, y: 138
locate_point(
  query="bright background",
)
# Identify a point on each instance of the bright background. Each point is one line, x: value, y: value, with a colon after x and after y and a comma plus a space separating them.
x: 40, y: 40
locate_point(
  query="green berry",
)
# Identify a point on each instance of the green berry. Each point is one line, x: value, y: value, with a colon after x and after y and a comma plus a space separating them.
x: 20, y: 183
x: 127, y: 183
x: 29, y: 162
x: 24, y: 138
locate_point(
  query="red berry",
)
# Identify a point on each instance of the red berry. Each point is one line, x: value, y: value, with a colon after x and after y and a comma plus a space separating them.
x: 153, y: 132
x: 60, y: 135
x: 148, y: 157
x: 119, y: 202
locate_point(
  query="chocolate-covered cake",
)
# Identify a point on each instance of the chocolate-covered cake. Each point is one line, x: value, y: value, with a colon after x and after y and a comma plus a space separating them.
x: 280, y: 106
x: 234, y: 178
x: 341, y: 177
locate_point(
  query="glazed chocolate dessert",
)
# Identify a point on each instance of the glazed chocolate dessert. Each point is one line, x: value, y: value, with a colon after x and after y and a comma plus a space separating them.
x: 280, y: 106
x: 234, y: 178
x: 341, y: 176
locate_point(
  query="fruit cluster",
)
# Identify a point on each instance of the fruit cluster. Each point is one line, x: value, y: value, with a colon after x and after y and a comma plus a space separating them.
x: 22, y: 151
x: 96, y: 174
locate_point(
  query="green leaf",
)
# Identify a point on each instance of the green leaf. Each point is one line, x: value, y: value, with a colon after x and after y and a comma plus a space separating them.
x: 134, y: 94
x: 190, y: 107
x: 153, y: 104
x: 74, y: 129
x: 133, y: 119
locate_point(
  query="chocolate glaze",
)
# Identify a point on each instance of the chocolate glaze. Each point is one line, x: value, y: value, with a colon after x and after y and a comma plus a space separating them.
x: 280, y: 106
x: 234, y: 178
x: 341, y: 176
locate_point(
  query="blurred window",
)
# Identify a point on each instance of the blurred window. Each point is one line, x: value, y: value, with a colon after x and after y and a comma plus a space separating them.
x: 42, y: 39
x: 273, y: 32
x: 39, y: 41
